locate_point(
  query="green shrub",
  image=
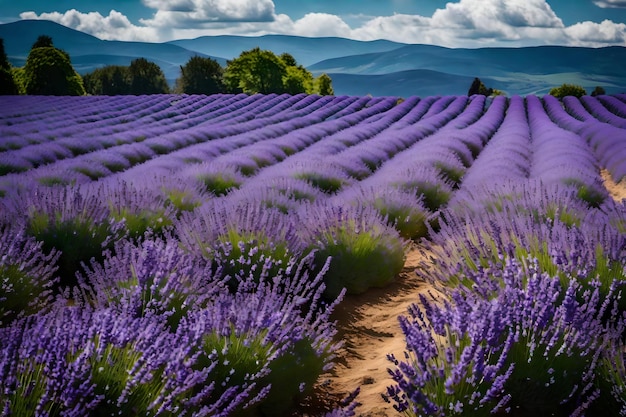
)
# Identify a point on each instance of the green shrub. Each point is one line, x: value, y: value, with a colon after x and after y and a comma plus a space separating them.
x: 365, y: 252
x: 568, y: 90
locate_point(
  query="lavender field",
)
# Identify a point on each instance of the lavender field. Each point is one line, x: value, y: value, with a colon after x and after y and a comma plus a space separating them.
x: 183, y: 255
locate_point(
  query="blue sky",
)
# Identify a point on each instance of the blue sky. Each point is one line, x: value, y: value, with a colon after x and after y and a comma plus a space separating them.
x: 459, y: 23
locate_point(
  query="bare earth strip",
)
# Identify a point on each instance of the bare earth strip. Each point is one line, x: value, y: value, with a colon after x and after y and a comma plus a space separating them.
x: 369, y: 326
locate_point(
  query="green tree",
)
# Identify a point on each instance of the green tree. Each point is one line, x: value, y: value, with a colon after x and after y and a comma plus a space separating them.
x: 49, y: 71
x: 146, y: 78
x: 568, y: 90
x: 109, y: 80
x: 288, y: 59
x: 200, y: 76
x: 325, y: 85
x: 20, y: 79
x: 43, y: 41
x: 298, y: 80
x: 8, y: 85
x: 478, y: 87
x: 598, y: 91
x: 255, y: 71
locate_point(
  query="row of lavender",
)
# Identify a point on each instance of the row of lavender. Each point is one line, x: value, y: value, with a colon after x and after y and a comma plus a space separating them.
x: 244, y: 192
x: 530, y: 269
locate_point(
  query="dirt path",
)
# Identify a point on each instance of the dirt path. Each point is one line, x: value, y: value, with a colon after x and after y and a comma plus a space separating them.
x: 368, y: 324
x: 616, y: 190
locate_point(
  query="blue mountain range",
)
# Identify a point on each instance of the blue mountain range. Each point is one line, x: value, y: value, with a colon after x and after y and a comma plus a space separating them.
x: 380, y: 68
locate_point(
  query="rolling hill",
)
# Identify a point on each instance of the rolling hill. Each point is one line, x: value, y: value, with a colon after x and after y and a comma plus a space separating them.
x: 357, y: 68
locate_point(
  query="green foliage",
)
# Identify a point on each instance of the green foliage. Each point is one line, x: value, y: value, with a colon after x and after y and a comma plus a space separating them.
x: 245, y: 255
x: 298, y: 80
x: 255, y: 71
x: 288, y: 59
x: 219, y: 183
x: 78, y: 240
x: 43, y: 41
x: 49, y: 71
x: 22, y: 291
x: 19, y: 76
x: 200, y: 76
x: 109, y: 80
x: 361, y: 258
x: 146, y: 78
x: 298, y: 367
x: 239, y: 358
x: 598, y: 91
x: 326, y: 183
x: 478, y: 87
x: 568, y: 90
x: 325, y: 85
x: 8, y: 85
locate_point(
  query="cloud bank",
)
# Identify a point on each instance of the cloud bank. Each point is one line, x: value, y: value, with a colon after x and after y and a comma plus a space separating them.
x: 466, y: 23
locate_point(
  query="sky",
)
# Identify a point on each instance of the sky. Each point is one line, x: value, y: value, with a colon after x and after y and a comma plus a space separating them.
x: 455, y: 24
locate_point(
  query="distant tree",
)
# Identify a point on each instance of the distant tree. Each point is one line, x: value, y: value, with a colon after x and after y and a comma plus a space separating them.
x: 255, y: 71
x: 49, y: 71
x: 325, y: 85
x: 298, y: 80
x: 598, y: 91
x: 7, y: 82
x: 110, y: 80
x: 20, y: 79
x: 43, y: 41
x: 146, y: 78
x: 288, y: 59
x: 568, y: 90
x: 200, y: 76
x: 478, y: 87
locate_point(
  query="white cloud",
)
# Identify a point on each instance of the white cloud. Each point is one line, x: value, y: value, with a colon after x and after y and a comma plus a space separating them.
x: 465, y: 23
x: 112, y: 27
x: 598, y: 34
x: 321, y: 24
x: 202, y: 11
x: 611, y: 4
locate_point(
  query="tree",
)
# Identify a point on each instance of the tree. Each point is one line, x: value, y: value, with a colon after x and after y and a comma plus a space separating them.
x: 288, y: 59
x: 8, y: 86
x: 478, y: 87
x: 146, y: 78
x: 49, y: 71
x: 298, y: 80
x: 109, y: 80
x: 568, y: 90
x: 598, y: 91
x: 200, y: 76
x: 255, y: 71
x: 325, y: 85
x: 43, y: 41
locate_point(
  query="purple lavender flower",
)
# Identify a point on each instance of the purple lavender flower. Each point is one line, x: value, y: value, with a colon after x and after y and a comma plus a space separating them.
x: 366, y: 252
x: 67, y: 220
x: 27, y: 275
x: 529, y: 349
x: 153, y: 276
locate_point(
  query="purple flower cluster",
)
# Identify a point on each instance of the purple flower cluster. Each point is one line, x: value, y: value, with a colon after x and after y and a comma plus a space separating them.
x: 533, y: 349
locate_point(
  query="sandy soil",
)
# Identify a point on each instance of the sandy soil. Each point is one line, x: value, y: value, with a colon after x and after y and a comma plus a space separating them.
x: 369, y: 326
x: 617, y: 190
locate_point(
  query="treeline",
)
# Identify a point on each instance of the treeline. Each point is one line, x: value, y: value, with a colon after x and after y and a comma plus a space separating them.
x: 49, y: 71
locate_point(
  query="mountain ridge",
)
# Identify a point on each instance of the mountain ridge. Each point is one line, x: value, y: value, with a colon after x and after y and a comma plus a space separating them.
x: 377, y: 67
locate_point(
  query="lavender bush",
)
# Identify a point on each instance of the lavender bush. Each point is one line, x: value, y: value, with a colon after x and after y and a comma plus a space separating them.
x: 27, y: 275
x: 66, y: 220
x: 241, y: 239
x: 534, y: 349
x: 365, y: 251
